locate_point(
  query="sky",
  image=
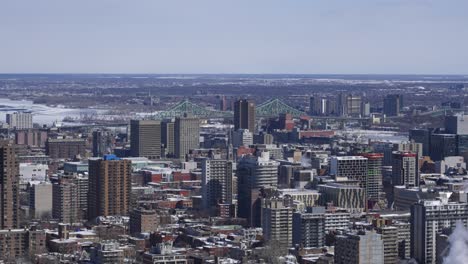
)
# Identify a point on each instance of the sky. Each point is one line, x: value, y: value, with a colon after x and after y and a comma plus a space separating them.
x: 234, y: 36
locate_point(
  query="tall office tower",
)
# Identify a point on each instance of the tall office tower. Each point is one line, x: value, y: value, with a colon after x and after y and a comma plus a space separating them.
x: 353, y: 105
x: 244, y: 115
x: 374, y: 175
x: 103, y: 143
x: 217, y: 182
x: 429, y: 218
x: 186, y: 134
x: 443, y: 145
x: 19, y: 120
x: 109, y: 187
x: 316, y: 106
x: 65, y: 203
x: 40, y: 199
x: 331, y: 107
x: 67, y: 148
x: 360, y: 248
x: 405, y: 169
x: 341, y: 105
x: 462, y: 146
x: 456, y: 124
x: 9, y: 186
x: 422, y: 136
x: 277, y: 221
x: 392, y: 105
x: 145, y: 138
x: 223, y: 105
x: 390, y: 243
x: 254, y: 173
x: 365, y: 109
x: 352, y: 167
x: 242, y: 137
x: 309, y: 229
x: 168, y: 137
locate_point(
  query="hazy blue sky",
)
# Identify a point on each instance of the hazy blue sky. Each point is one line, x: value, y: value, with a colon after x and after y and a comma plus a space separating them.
x: 238, y: 36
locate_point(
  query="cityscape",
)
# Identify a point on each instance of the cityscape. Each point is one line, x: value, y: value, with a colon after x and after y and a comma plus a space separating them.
x: 254, y: 132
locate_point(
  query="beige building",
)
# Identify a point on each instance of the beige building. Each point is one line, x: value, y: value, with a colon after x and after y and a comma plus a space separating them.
x: 187, y: 135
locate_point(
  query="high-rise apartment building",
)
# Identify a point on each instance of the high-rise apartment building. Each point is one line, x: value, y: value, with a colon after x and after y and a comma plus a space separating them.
x: 9, y: 186
x: 393, y: 103
x: 374, y: 175
x: 429, y: 218
x: 254, y: 173
x: 109, y: 187
x: 168, y: 138
x: 186, y: 134
x: 217, y: 182
x: 360, y: 248
x: 390, y: 243
x: 405, y: 170
x: 277, y: 221
x: 309, y: 229
x: 244, y: 115
x: 145, y: 138
x: 65, y: 203
x: 19, y: 120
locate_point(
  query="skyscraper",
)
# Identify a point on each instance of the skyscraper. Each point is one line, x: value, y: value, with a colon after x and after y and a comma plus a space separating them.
x: 168, y: 137
x: 217, y: 182
x: 443, y: 145
x: 254, y: 173
x: 277, y: 220
x: 353, y: 105
x: 405, y: 169
x: 392, y: 105
x: 187, y: 135
x: 309, y: 229
x: 429, y: 218
x: 9, y: 186
x: 102, y: 143
x: 65, y: 202
x: 145, y: 138
x: 109, y: 187
x: 456, y: 124
x: 422, y: 136
x: 374, y: 175
x: 244, y: 115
